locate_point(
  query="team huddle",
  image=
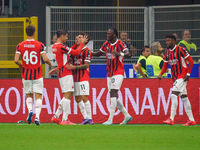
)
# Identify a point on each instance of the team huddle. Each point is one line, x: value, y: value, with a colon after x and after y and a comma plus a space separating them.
x: 73, y: 73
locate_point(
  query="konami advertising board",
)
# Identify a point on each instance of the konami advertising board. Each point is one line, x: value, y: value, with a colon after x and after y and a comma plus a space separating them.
x: 147, y: 100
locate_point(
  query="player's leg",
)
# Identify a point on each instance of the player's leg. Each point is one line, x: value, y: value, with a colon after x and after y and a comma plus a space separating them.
x: 28, y: 89
x: 78, y: 90
x: 38, y: 90
x: 127, y: 116
x: 67, y: 86
x: 88, y: 108
x: 175, y: 92
x: 187, y: 107
x: 82, y: 109
x: 38, y: 107
x: 113, y: 100
x: 84, y: 92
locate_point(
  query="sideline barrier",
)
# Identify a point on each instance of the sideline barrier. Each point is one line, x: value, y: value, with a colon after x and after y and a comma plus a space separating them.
x: 147, y: 100
x: 99, y: 71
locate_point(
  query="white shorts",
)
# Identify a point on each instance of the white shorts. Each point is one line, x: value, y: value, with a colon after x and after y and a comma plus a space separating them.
x: 81, y: 88
x: 180, y: 86
x: 67, y: 83
x: 114, y: 82
x: 31, y: 86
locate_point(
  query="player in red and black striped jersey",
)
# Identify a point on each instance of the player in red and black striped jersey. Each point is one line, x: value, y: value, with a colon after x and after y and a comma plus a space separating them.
x: 178, y: 57
x: 30, y: 51
x: 61, y: 53
x: 81, y: 67
x: 115, y: 50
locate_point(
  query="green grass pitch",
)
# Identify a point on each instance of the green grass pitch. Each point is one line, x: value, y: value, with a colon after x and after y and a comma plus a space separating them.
x: 98, y: 137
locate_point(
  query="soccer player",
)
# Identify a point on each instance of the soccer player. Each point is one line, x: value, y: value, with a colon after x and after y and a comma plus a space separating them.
x: 177, y: 57
x: 62, y: 53
x: 32, y: 79
x: 80, y: 67
x: 115, y: 50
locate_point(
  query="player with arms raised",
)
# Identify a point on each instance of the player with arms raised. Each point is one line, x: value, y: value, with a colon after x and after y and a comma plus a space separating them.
x: 177, y: 57
x: 32, y: 79
x: 115, y: 50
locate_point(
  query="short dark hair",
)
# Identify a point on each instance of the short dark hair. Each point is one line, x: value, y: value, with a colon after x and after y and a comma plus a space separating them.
x: 83, y: 34
x: 146, y: 46
x: 61, y: 32
x: 171, y: 36
x: 30, y: 29
x: 114, y: 30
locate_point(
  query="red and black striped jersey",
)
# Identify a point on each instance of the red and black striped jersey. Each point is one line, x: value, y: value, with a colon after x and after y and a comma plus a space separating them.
x: 115, y: 65
x: 176, y: 58
x: 82, y: 74
x: 30, y: 51
x: 61, y: 53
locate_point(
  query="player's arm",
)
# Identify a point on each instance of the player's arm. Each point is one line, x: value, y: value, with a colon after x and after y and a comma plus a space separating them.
x: 52, y: 71
x: 164, y: 68
x: 16, y: 60
x: 191, y: 62
x: 74, y: 46
x: 84, y: 66
x: 98, y: 53
x: 138, y: 68
x: 46, y: 59
x: 125, y: 53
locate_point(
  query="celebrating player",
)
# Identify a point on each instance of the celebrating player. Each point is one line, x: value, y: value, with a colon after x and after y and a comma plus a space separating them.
x: 81, y: 67
x: 62, y: 53
x: 32, y: 79
x: 177, y: 57
x: 115, y: 51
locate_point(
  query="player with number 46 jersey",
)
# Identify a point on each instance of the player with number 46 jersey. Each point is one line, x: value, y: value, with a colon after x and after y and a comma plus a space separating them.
x: 32, y: 79
x: 30, y: 51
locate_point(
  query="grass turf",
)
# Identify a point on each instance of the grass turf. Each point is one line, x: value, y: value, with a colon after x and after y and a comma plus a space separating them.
x: 98, y: 137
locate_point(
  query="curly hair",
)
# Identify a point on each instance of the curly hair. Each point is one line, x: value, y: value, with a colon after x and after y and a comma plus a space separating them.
x: 154, y: 47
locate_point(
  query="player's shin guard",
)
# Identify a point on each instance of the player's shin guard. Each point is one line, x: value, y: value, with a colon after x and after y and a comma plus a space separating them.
x: 188, y: 108
x: 121, y: 107
x: 29, y: 104
x: 38, y: 107
x: 83, y: 109
x: 88, y: 109
x: 66, y: 108
x: 174, y: 106
x: 113, y: 105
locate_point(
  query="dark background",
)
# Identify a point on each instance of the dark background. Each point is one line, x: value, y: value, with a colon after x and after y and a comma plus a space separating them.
x: 28, y: 8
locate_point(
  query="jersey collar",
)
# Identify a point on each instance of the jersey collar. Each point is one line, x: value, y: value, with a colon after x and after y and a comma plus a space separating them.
x: 114, y: 43
x: 173, y: 48
x: 30, y: 39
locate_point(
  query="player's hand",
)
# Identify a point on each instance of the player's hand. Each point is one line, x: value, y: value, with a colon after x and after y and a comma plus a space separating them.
x: 186, y: 78
x: 70, y: 67
x: 50, y: 64
x: 51, y: 72
x: 84, y: 39
x: 116, y: 53
x: 159, y: 76
x: 20, y: 67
